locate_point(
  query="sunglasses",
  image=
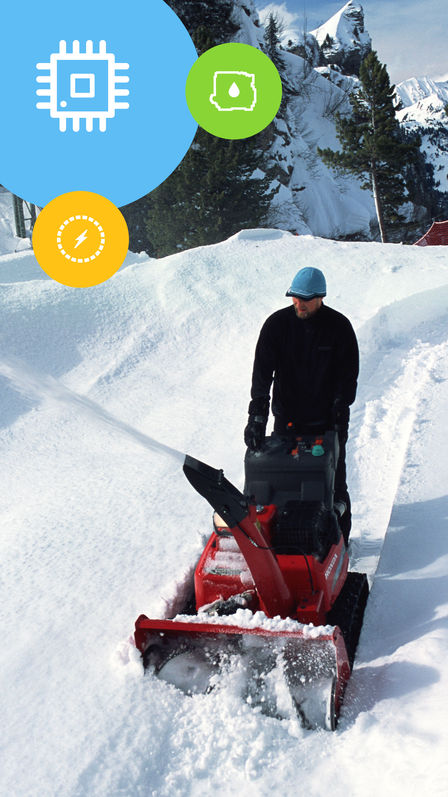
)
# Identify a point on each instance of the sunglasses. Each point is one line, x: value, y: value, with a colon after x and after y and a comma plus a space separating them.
x: 304, y: 298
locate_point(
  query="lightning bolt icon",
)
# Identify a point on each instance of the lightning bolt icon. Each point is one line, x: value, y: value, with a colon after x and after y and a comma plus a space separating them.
x: 81, y: 238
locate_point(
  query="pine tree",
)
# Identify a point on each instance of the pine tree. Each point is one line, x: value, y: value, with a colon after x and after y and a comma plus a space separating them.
x: 135, y: 214
x: 272, y: 33
x: 422, y: 186
x: 217, y: 190
x: 215, y: 16
x: 372, y: 147
x: 213, y: 194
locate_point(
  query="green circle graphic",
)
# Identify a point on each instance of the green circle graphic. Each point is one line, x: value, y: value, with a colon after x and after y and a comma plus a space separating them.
x: 233, y: 91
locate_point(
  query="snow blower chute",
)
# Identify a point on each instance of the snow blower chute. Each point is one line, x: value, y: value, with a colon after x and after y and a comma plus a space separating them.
x: 271, y: 585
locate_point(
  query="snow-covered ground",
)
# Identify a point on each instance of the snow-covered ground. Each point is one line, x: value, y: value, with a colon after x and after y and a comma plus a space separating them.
x: 102, y: 390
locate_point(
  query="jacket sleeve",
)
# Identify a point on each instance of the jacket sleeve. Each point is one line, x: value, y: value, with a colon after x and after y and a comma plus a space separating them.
x: 264, y: 363
x: 347, y: 365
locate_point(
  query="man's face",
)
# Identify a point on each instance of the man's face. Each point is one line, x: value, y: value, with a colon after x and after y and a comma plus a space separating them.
x: 306, y: 308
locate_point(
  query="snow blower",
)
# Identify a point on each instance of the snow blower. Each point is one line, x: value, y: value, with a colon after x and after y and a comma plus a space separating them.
x: 272, y: 585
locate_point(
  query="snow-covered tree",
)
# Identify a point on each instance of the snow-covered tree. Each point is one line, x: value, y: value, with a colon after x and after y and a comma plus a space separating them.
x: 273, y: 29
x: 372, y: 146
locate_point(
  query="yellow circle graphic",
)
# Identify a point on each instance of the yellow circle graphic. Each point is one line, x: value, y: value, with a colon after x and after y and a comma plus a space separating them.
x: 80, y: 239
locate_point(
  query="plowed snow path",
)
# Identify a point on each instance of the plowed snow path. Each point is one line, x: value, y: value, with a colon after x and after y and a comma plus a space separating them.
x: 394, y: 681
x: 380, y: 436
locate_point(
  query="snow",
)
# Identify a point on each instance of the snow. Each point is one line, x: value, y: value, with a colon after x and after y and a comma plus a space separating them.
x: 103, y: 390
x: 423, y: 103
x: 311, y: 197
x: 415, y: 90
x: 245, y: 17
x: 346, y: 29
x: 316, y: 199
x: 244, y: 618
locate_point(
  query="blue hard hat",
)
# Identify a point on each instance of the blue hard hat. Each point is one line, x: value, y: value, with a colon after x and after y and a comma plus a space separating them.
x: 308, y: 283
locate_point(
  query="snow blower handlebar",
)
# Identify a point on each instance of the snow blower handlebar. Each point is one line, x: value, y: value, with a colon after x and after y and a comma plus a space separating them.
x: 240, y: 517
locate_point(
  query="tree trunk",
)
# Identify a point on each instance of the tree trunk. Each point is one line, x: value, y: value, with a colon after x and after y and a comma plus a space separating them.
x: 19, y: 218
x: 378, y: 208
x: 32, y: 216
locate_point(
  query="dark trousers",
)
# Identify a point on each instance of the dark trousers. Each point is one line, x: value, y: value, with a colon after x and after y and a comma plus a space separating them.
x: 340, y: 478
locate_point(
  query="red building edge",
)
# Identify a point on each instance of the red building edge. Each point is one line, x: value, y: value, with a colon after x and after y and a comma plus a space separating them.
x: 437, y: 235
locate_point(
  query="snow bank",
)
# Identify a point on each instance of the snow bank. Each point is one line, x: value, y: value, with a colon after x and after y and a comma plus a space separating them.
x: 103, y: 390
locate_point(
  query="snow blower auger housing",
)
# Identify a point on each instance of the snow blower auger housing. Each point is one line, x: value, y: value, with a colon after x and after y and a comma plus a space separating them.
x: 272, y: 584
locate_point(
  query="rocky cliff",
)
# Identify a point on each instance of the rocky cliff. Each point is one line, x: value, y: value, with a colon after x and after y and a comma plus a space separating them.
x: 320, y: 70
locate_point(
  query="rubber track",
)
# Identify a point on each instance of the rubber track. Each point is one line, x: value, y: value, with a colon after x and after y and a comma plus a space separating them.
x: 348, y: 611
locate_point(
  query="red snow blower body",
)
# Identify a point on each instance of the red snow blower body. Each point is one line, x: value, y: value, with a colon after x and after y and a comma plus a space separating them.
x: 272, y: 584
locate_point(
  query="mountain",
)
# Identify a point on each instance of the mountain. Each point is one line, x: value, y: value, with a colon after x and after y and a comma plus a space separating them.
x: 320, y: 72
x: 311, y: 198
x: 423, y: 104
x: 343, y: 40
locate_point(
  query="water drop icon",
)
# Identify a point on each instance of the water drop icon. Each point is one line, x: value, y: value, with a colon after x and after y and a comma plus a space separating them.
x: 234, y: 90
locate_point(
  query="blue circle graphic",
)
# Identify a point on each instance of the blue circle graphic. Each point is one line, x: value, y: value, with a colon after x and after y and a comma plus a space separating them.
x: 93, y: 98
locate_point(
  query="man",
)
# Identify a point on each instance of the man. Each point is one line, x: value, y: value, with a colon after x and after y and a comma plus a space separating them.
x: 310, y: 352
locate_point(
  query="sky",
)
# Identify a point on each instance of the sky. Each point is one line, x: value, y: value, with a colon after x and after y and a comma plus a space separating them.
x: 409, y: 37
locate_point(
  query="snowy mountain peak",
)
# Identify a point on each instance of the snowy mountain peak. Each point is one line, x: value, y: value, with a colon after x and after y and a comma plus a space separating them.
x: 416, y: 90
x: 423, y: 103
x: 343, y: 39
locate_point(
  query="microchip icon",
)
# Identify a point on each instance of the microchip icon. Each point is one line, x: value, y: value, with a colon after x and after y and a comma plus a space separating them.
x: 82, y: 85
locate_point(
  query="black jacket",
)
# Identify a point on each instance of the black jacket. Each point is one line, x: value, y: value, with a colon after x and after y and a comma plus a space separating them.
x: 313, y: 362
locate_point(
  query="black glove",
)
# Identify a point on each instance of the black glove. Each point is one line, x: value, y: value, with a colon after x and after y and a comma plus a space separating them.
x: 340, y: 415
x: 254, y: 433
x: 255, y: 430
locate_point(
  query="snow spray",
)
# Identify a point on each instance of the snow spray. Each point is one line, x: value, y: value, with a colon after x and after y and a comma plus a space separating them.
x: 43, y: 386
